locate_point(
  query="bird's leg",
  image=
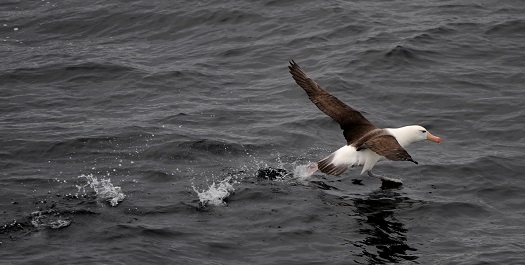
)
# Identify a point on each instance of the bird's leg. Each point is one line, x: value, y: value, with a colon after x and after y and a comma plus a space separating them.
x: 384, y: 179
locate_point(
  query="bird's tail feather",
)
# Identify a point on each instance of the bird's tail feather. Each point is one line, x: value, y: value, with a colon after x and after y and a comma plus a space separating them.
x: 339, y: 161
x: 327, y: 166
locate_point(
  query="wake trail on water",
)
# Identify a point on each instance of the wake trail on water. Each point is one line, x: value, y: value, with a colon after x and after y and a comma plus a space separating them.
x: 217, y: 191
x: 57, y: 212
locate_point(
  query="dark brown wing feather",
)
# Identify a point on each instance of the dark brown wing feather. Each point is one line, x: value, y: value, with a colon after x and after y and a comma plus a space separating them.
x: 353, y: 123
x: 387, y: 146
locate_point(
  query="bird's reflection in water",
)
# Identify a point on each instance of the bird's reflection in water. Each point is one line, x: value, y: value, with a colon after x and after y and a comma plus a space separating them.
x: 385, y: 240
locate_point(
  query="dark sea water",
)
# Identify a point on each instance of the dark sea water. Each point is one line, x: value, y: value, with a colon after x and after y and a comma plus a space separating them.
x: 146, y: 132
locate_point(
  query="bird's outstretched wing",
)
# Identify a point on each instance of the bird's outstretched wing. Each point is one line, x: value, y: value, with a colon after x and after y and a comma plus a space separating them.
x: 353, y: 123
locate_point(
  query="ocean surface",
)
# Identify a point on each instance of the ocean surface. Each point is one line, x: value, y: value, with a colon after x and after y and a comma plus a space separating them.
x: 170, y: 132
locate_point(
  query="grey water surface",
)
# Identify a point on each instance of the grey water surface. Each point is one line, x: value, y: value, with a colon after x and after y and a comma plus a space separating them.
x: 140, y: 132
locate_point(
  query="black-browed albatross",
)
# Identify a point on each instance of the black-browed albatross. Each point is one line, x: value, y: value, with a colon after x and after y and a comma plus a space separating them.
x: 365, y: 143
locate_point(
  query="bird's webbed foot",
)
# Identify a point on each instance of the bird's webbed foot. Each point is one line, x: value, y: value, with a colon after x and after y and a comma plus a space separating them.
x: 386, y: 182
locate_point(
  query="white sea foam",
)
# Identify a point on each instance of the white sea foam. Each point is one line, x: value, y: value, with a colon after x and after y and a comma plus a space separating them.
x: 104, y: 189
x: 216, y: 192
x: 49, y: 219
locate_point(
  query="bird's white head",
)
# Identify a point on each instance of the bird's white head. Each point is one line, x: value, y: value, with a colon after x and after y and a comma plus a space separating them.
x: 413, y: 133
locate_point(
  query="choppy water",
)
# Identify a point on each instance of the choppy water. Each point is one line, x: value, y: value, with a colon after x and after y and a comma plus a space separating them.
x: 168, y: 132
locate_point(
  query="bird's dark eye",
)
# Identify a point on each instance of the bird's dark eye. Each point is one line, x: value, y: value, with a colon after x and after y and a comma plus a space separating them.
x: 423, y: 131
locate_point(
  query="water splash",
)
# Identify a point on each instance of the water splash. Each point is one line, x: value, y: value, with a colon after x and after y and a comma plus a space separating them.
x: 104, y: 189
x: 216, y: 193
x: 220, y: 190
x: 292, y: 169
x: 303, y: 172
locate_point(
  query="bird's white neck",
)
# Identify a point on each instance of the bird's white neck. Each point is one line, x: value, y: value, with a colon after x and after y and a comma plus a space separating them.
x: 403, y: 135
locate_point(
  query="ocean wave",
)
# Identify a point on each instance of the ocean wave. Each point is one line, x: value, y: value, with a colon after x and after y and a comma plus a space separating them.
x: 410, y: 55
x: 213, y: 146
x: 510, y: 29
x: 65, y: 72
x: 433, y: 35
x: 449, y: 210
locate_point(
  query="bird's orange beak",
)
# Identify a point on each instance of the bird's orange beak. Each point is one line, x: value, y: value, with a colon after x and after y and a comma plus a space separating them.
x: 433, y: 138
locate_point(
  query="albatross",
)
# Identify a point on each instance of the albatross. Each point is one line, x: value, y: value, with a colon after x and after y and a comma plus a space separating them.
x: 365, y: 143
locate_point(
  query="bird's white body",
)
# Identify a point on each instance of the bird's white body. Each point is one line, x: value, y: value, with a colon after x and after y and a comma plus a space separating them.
x: 350, y: 157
